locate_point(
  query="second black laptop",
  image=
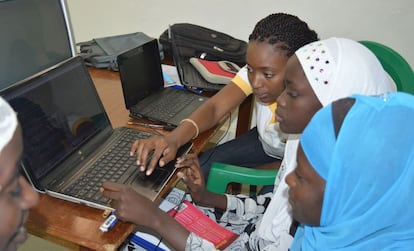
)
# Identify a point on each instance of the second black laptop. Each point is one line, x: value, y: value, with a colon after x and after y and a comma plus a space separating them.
x: 143, y: 88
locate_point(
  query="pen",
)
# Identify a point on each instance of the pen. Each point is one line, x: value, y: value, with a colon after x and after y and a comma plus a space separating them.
x: 218, y: 49
x: 153, y: 126
x: 195, y: 90
x: 178, y: 87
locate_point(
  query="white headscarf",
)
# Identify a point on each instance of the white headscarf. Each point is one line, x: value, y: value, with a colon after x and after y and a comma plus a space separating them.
x: 8, y: 123
x: 340, y: 67
x: 335, y: 68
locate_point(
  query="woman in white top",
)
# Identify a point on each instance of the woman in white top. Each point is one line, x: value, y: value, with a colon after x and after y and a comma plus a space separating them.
x: 274, y: 39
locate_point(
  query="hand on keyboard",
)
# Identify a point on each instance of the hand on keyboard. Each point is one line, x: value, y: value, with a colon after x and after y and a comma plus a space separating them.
x: 156, y: 150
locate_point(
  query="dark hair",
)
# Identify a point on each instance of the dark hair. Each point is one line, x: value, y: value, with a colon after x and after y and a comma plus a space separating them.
x: 283, y: 28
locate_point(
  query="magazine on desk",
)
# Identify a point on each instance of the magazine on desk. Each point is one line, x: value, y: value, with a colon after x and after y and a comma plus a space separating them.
x: 197, y: 222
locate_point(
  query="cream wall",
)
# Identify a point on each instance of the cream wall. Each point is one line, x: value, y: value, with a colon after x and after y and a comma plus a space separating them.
x: 389, y: 22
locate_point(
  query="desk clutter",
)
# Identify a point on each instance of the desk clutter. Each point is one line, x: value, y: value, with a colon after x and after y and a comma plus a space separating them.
x: 186, y: 43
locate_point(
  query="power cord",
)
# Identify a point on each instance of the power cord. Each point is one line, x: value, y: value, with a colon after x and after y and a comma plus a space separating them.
x: 220, y: 139
x: 176, y: 208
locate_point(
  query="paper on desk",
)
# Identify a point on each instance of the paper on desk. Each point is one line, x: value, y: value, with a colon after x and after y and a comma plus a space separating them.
x: 170, y: 75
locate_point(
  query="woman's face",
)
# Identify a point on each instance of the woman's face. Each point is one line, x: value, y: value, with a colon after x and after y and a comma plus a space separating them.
x: 306, y: 190
x: 266, y: 69
x: 16, y: 195
x: 297, y: 103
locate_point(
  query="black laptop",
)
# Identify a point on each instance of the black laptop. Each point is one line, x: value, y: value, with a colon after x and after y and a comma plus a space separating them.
x: 70, y: 146
x: 143, y: 88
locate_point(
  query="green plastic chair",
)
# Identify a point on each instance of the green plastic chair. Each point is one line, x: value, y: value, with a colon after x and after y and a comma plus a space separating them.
x: 221, y: 175
x: 396, y: 66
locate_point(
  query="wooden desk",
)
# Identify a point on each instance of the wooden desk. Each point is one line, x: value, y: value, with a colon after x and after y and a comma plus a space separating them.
x: 76, y: 226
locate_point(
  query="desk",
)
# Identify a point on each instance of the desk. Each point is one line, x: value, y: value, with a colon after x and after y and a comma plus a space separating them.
x: 76, y: 226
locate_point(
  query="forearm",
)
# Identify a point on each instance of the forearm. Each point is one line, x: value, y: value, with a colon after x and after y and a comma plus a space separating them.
x: 210, y: 113
x: 170, y: 230
x: 272, y: 165
x: 203, y: 118
x: 214, y: 200
x: 207, y: 116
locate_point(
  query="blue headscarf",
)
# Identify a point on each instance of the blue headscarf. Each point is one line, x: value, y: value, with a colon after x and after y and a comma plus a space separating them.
x: 369, y: 174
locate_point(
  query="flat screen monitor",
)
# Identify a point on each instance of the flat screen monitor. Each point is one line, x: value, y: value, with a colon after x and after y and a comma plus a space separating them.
x: 35, y: 34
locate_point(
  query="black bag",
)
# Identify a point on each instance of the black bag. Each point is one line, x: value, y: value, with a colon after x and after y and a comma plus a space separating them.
x: 102, y: 52
x: 196, y: 41
x: 184, y: 41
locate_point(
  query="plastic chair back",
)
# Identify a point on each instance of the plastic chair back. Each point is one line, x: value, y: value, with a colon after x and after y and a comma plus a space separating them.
x: 221, y: 175
x: 396, y: 66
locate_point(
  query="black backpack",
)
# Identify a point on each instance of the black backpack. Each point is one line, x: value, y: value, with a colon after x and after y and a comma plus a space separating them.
x: 184, y: 41
x: 196, y: 41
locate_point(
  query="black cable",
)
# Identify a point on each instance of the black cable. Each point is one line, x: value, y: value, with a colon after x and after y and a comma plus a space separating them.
x: 176, y: 208
x: 220, y: 139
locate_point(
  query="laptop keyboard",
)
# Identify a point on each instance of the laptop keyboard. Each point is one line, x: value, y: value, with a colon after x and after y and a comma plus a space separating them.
x: 167, y: 107
x: 111, y: 166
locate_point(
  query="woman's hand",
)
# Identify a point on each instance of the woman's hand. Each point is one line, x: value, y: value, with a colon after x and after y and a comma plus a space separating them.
x: 133, y: 207
x: 152, y: 150
x: 192, y: 176
x: 129, y: 205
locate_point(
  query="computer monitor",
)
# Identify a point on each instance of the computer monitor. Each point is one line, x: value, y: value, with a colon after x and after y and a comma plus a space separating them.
x: 35, y: 34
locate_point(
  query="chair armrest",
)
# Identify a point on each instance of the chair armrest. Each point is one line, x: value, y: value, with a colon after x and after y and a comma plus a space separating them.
x: 222, y: 174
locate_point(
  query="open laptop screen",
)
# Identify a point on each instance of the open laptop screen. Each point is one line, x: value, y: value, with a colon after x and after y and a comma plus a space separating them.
x: 36, y: 34
x: 140, y: 72
x: 58, y: 110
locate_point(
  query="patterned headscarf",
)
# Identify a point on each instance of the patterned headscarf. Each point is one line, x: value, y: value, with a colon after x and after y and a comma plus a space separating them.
x: 368, y: 168
x: 328, y: 63
x: 8, y: 123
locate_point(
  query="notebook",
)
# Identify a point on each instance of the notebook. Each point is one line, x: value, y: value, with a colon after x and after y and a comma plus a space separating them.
x: 67, y: 133
x: 143, y: 88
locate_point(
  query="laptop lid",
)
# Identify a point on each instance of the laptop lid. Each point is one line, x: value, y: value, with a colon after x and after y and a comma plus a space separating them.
x: 140, y: 72
x: 62, y: 118
x: 65, y: 128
